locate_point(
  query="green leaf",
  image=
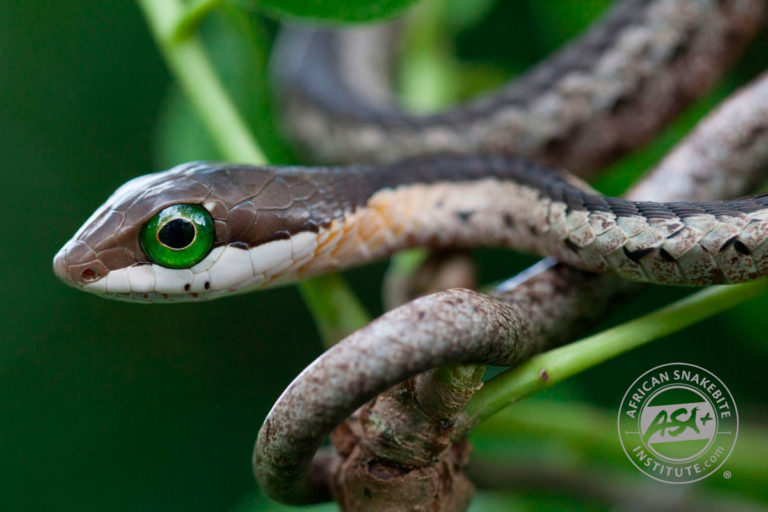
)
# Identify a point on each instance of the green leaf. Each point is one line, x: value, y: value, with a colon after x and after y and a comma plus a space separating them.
x: 344, y: 11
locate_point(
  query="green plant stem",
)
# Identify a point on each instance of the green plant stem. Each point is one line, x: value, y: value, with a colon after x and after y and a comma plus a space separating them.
x: 428, y: 74
x: 193, y: 15
x: 557, y: 365
x: 188, y: 61
x: 200, y: 83
x: 336, y: 311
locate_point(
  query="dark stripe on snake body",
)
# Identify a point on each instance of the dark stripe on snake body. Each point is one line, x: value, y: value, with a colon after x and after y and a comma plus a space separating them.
x: 263, y: 204
x: 320, y: 78
x: 602, y: 110
x: 313, y: 197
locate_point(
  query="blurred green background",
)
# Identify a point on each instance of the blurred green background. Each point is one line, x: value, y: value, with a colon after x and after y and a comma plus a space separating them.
x: 113, y: 406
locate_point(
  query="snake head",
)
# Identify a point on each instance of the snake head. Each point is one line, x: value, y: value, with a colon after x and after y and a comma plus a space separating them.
x: 194, y: 232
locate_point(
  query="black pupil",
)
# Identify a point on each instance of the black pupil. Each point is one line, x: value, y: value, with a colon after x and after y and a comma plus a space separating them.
x: 177, y: 234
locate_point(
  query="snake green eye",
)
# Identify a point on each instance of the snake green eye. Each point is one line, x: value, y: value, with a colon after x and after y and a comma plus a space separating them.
x: 178, y: 236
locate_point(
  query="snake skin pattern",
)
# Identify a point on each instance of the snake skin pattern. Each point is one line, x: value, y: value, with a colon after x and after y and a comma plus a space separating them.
x: 276, y: 226
x: 627, y: 75
x: 601, y: 96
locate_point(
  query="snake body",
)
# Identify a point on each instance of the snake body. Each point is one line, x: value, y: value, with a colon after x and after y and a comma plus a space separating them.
x: 275, y: 226
x: 604, y: 94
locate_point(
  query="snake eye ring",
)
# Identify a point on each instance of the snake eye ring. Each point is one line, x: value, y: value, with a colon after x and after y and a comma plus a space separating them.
x: 178, y: 236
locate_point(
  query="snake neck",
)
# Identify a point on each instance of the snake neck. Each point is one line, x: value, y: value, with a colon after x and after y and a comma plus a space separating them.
x: 443, y: 203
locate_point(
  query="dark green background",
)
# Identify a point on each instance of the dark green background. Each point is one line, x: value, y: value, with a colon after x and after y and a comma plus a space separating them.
x: 113, y: 406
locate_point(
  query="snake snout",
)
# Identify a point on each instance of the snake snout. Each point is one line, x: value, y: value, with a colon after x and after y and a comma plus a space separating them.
x: 61, y: 268
x: 76, y: 273
x: 60, y: 265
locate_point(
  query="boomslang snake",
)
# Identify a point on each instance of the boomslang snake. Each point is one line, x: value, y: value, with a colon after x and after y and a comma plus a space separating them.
x: 273, y: 226
x: 279, y: 225
x: 461, y: 178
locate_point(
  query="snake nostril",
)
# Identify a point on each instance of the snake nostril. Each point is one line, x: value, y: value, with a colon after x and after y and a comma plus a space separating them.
x: 89, y: 275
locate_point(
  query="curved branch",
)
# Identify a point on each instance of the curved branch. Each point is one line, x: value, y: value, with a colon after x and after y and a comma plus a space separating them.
x: 352, y: 372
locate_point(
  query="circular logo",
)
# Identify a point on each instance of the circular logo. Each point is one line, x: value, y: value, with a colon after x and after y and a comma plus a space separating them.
x: 678, y: 423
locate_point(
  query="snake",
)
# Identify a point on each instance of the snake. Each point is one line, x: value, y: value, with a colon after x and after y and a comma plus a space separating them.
x: 204, y: 230
x: 488, y: 172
